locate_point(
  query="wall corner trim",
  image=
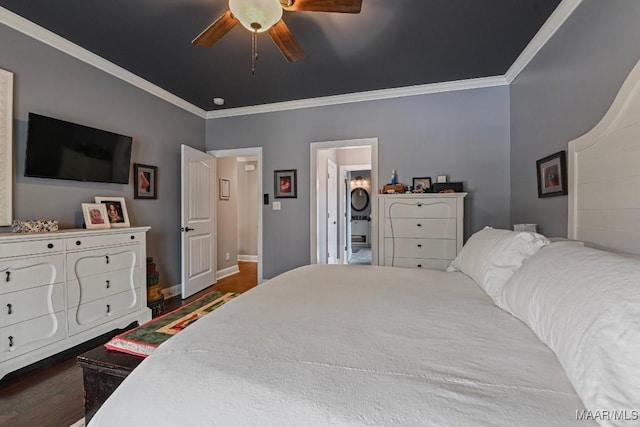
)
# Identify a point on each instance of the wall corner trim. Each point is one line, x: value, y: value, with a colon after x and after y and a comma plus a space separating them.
x: 548, y: 29
x: 373, y: 95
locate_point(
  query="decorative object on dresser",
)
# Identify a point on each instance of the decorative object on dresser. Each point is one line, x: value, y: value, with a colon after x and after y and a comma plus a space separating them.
x: 552, y: 175
x: 286, y: 183
x: 145, y: 180
x: 447, y: 187
x: 420, y: 231
x: 50, y: 308
x: 6, y: 145
x: 225, y: 189
x: 116, y: 211
x: 95, y: 216
x: 422, y: 185
x: 34, y: 225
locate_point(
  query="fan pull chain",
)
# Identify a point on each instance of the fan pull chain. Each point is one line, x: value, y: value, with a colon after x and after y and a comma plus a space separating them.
x: 254, y: 51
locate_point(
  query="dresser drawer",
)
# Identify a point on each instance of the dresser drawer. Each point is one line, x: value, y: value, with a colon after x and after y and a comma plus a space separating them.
x: 86, y: 316
x: 420, y: 248
x: 27, y: 336
x: 420, y: 228
x: 421, y: 208
x: 99, y: 286
x: 99, y: 261
x: 84, y: 242
x: 20, y: 249
x: 25, y: 273
x: 17, y: 307
x: 434, y: 264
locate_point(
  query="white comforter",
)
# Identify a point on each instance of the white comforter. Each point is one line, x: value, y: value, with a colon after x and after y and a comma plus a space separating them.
x: 350, y: 345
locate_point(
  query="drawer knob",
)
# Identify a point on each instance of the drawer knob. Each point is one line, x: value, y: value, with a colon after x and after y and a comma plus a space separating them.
x: 9, y: 309
x: 419, y: 265
x: 419, y: 205
x: 419, y: 245
x: 107, y: 258
x: 419, y: 225
x: 108, y: 284
x: 8, y: 276
x: 50, y: 245
x: 10, y: 341
x: 78, y: 242
x: 133, y: 237
x: 108, y: 309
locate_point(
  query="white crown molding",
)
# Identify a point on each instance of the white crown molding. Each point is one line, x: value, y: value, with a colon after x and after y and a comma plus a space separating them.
x: 43, y: 35
x: 373, y: 95
x: 548, y: 29
x: 555, y: 21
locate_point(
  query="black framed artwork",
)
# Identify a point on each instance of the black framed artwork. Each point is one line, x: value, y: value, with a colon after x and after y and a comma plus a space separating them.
x: 285, y: 183
x: 552, y: 175
x: 145, y: 180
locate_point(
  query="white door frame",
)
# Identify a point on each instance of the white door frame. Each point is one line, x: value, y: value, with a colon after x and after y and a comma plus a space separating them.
x: 250, y: 151
x: 332, y: 192
x: 344, y: 242
x: 313, y: 190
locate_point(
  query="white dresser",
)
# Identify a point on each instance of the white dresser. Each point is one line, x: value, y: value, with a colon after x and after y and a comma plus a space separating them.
x: 60, y: 289
x: 420, y: 230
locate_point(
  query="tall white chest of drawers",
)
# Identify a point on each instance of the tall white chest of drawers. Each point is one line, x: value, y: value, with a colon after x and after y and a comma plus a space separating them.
x: 420, y: 230
x: 60, y: 289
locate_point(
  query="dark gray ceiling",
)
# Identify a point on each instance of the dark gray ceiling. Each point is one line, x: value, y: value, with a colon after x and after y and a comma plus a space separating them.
x: 391, y: 43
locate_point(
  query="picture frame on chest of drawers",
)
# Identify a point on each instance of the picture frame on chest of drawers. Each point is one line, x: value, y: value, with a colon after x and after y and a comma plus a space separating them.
x: 420, y: 230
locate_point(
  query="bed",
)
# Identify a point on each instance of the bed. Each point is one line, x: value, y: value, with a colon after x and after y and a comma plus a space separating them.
x: 521, y: 331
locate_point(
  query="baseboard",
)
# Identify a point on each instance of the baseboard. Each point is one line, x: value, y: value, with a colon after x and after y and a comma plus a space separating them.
x: 172, y: 291
x: 177, y: 289
x: 248, y: 258
x: 220, y: 274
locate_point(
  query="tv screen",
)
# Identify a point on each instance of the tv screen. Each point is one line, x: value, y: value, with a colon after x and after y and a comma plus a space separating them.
x: 62, y: 150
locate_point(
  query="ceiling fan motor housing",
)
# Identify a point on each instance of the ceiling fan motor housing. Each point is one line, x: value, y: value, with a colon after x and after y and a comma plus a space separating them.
x: 256, y: 15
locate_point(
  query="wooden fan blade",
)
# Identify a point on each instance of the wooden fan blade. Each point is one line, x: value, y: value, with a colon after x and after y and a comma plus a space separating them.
x: 215, y: 31
x: 340, y: 6
x: 288, y: 45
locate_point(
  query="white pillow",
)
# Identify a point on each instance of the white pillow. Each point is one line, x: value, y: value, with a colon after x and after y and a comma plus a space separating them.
x: 491, y: 256
x: 585, y: 305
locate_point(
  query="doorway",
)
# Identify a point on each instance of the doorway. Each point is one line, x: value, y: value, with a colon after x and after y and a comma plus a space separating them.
x: 359, y: 202
x: 239, y: 211
x: 348, y: 155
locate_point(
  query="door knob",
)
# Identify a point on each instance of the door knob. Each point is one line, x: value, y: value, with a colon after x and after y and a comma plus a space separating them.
x: 186, y: 229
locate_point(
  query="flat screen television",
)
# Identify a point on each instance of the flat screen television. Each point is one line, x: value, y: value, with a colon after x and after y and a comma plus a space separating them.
x: 63, y: 150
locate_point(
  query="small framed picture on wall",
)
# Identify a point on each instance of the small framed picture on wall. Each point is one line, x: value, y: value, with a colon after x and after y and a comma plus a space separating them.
x: 145, y: 179
x: 285, y: 183
x: 552, y: 175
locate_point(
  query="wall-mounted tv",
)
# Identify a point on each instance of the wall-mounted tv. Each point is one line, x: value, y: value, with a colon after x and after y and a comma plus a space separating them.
x: 63, y: 150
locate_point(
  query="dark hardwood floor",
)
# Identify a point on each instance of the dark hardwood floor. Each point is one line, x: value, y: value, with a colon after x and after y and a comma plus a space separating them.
x: 52, y: 395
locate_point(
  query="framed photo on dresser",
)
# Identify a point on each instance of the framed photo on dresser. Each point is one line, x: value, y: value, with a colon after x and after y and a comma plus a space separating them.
x: 422, y: 185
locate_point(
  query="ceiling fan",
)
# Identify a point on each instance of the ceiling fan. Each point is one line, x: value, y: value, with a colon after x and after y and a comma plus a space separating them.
x: 259, y: 16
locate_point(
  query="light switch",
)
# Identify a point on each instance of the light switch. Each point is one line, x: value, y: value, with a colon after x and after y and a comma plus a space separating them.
x: 276, y: 206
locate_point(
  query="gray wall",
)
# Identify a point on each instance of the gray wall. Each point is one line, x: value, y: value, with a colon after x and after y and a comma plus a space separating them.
x: 227, y: 214
x: 462, y: 134
x: 52, y: 83
x: 563, y: 93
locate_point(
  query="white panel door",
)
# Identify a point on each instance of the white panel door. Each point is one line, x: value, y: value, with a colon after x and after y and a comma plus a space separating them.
x: 198, y: 221
x: 332, y: 213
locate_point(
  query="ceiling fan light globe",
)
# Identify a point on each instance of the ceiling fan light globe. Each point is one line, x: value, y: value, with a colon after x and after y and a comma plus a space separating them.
x: 256, y: 15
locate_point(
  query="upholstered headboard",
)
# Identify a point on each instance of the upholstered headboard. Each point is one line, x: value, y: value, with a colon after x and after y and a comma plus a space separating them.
x: 604, y: 175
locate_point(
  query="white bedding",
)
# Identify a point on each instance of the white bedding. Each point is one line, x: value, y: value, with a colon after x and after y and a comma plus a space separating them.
x: 350, y: 345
